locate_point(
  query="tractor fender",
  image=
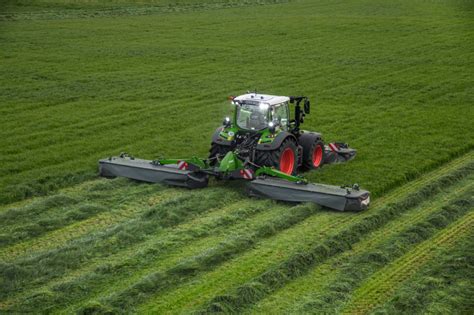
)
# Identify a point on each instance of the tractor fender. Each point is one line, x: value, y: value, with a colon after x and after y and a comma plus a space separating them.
x: 307, y: 138
x: 276, y: 143
x: 216, y: 138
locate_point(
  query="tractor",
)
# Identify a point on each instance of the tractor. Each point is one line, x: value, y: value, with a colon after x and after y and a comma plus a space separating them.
x: 263, y: 144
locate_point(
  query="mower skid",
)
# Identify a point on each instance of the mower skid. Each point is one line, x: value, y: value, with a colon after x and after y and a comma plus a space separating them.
x: 342, y: 199
x: 145, y: 170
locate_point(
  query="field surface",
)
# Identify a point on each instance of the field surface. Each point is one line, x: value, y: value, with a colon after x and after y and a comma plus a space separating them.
x: 83, y: 80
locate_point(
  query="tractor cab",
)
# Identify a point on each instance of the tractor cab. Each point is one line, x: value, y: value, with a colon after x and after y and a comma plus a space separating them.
x: 256, y: 112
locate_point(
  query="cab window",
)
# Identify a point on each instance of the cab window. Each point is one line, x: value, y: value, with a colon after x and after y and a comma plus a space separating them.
x: 280, y: 114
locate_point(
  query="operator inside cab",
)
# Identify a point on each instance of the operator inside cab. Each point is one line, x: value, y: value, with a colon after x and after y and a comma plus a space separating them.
x: 253, y: 116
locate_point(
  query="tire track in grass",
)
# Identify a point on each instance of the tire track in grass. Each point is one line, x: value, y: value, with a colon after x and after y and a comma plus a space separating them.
x: 48, y: 265
x: 385, y: 282
x: 299, y: 263
x: 168, y: 245
x: 290, y: 296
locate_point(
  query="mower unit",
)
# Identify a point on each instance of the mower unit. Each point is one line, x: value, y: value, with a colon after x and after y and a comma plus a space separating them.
x: 262, y: 144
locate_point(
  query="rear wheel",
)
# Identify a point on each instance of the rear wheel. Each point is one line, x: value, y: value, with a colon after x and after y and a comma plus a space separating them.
x: 284, y: 159
x: 313, y: 157
x: 217, y: 152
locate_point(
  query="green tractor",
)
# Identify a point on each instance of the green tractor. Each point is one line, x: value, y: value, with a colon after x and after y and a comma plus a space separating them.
x: 262, y: 132
x: 263, y: 144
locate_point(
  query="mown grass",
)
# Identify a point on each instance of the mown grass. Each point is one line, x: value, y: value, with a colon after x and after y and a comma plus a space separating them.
x: 442, y: 286
x: 296, y: 265
x: 79, y: 101
x: 82, y: 80
x: 290, y: 297
x: 26, y: 271
x: 352, y: 274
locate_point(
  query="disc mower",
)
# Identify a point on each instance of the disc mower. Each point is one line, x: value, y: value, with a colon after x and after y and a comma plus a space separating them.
x: 261, y: 143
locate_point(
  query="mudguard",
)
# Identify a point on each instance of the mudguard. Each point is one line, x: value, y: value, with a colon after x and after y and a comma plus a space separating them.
x: 275, y: 144
x: 216, y: 138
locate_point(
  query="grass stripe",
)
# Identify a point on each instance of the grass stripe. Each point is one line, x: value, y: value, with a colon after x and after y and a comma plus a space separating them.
x: 56, y: 262
x: 114, y: 216
x: 212, y: 257
x: 290, y: 296
x: 384, y: 283
x: 164, y: 249
x: 444, y: 286
x: 299, y: 263
x: 317, y: 228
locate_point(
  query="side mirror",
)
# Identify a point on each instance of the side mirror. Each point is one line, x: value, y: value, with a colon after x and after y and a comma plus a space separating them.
x: 307, y: 106
x: 227, y: 123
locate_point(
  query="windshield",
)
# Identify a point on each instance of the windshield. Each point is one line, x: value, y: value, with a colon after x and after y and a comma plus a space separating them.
x: 252, y: 117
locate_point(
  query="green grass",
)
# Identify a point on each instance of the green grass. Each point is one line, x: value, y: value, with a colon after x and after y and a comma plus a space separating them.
x: 83, y: 80
x: 366, y: 64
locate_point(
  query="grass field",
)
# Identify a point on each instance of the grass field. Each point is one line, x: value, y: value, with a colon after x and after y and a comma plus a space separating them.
x: 83, y: 80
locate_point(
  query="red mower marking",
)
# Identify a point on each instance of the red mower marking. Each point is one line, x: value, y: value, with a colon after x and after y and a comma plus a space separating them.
x: 317, y: 156
x: 182, y: 165
x: 333, y: 147
x: 287, y: 161
x: 246, y: 174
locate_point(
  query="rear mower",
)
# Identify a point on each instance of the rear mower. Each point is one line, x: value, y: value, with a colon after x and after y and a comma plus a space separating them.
x: 262, y: 144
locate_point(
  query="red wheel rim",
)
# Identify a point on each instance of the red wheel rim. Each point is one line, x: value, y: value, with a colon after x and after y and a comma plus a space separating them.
x: 287, y: 161
x: 317, y: 156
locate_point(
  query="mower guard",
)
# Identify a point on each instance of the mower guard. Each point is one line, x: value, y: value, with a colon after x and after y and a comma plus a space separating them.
x: 339, y: 198
x: 147, y: 171
x: 338, y: 152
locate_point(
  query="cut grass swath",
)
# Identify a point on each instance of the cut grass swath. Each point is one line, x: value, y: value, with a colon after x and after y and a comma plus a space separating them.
x: 298, y: 264
x: 381, y: 285
x: 444, y: 286
x: 292, y: 295
x: 56, y: 262
x: 164, y: 250
x: 362, y: 266
x: 184, y: 271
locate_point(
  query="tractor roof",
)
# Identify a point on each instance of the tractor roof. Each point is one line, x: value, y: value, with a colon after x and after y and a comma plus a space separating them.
x: 262, y: 98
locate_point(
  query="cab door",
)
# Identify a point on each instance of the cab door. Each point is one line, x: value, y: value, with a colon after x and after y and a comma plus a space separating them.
x: 281, y: 114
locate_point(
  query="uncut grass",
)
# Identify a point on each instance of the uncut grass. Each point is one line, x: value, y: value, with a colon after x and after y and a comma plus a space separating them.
x: 354, y: 272
x: 289, y: 297
x: 27, y: 271
x: 369, y: 74
x: 299, y: 263
x: 164, y: 250
x: 189, y: 267
x: 37, y: 218
x: 268, y: 254
x: 444, y: 282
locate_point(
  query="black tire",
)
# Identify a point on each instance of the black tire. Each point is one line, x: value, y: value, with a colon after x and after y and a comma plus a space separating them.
x: 308, y: 152
x: 272, y: 157
x: 217, y: 150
